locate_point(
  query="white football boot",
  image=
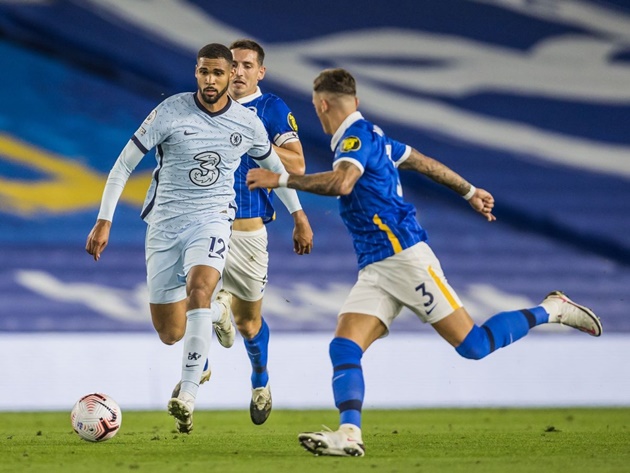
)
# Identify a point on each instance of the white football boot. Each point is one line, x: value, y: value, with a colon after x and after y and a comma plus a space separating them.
x: 181, y: 408
x: 563, y: 310
x: 260, y: 406
x: 344, y: 442
x: 224, y: 328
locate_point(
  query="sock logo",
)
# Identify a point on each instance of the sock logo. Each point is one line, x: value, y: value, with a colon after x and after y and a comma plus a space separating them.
x: 193, y: 356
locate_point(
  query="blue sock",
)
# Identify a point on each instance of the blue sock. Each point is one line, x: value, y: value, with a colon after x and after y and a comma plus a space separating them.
x: 257, y: 351
x: 348, y: 384
x: 499, y: 331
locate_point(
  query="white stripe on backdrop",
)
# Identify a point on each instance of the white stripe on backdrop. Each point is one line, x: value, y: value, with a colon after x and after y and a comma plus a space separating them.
x: 51, y: 371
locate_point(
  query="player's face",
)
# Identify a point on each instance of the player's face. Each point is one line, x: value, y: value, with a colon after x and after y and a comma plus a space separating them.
x: 248, y: 72
x: 213, y: 78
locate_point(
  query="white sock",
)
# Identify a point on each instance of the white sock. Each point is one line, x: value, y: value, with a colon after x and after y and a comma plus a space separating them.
x: 196, y: 345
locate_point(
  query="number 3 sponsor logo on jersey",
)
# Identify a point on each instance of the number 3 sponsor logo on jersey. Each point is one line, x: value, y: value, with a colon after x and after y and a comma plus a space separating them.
x: 207, y: 173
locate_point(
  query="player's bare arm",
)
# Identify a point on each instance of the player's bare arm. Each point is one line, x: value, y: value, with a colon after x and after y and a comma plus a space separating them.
x: 339, y: 181
x: 436, y: 171
x: 302, y: 233
x: 292, y: 156
x: 98, y: 238
x: 481, y: 200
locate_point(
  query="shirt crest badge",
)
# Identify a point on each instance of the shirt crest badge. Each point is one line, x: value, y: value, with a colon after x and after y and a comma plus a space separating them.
x: 351, y: 143
x: 236, y: 139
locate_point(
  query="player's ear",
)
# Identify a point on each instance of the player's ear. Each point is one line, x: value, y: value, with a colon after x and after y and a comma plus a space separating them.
x: 323, y: 105
x: 261, y: 72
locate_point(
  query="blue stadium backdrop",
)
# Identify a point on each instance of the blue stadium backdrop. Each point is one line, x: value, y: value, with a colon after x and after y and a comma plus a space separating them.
x: 530, y: 100
x: 538, y: 113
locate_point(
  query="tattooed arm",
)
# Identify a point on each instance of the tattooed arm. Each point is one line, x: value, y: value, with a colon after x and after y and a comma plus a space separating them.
x: 339, y: 181
x: 479, y: 199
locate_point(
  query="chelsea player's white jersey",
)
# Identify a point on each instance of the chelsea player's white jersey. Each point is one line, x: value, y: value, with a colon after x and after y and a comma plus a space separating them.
x: 197, y: 153
x: 378, y: 218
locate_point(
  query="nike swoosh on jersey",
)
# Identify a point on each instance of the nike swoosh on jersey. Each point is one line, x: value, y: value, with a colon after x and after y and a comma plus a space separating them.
x: 431, y: 309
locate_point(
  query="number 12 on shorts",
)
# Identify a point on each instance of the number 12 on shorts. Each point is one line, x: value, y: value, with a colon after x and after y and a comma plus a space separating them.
x: 217, y: 248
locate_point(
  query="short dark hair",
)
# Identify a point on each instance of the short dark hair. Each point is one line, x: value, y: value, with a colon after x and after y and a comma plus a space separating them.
x: 215, y: 51
x: 336, y: 81
x: 251, y: 45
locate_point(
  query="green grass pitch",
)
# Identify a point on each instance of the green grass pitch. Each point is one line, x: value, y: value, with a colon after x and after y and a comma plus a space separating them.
x: 563, y: 440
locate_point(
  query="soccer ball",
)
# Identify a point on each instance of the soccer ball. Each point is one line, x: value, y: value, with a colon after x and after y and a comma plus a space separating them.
x: 96, y: 417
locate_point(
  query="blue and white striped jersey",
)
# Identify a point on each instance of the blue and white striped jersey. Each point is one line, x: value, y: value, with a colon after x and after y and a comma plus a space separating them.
x: 378, y: 218
x: 197, y: 153
x: 281, y: 128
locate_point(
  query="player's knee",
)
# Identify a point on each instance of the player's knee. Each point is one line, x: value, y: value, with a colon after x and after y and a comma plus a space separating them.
x: 471, y: 353
x: 476, y: 344
x: 170, y: 336
x: 199, y: 297
x: 248, y: 320
x: 248, y: 328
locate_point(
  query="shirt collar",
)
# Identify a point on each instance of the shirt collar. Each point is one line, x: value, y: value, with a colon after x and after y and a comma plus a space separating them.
x: 251, y: 97
x: 350, y: 119
x: 212, y: 114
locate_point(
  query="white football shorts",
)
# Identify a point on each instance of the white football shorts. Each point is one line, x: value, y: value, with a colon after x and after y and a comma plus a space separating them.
x: 246, y: 268
x: 169, y: 256
x: 412, y: 278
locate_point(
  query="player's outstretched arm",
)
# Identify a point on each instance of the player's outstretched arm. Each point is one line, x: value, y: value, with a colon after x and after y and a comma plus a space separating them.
x: 262, y: 179
x: 128, y: 159
x: 479, y: 199
x: 340, y: 181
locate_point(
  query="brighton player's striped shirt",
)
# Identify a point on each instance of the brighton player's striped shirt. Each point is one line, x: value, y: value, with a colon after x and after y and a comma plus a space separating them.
x: 197, y: 153
x: 281, y: 128
x: 378, y: 218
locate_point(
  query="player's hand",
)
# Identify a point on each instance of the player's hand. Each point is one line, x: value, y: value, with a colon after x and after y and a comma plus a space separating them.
x: 98, y: 238
x: 258, y: 178
x: 483, y: 202
x: 302, y: 234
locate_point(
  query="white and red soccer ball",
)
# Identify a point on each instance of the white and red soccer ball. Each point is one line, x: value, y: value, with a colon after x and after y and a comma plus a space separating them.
x: 96, y: 417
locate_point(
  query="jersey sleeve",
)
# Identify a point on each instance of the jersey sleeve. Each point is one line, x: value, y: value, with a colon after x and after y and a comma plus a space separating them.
x: 280, y: 122
x: 154, y: 129
x: 261, y: 146
x: 400, y: 151
x: 127, y: 161
x: 355, y: 147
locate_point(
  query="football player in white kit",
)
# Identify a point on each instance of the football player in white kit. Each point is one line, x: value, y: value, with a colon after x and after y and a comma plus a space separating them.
x: 189, y: 209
